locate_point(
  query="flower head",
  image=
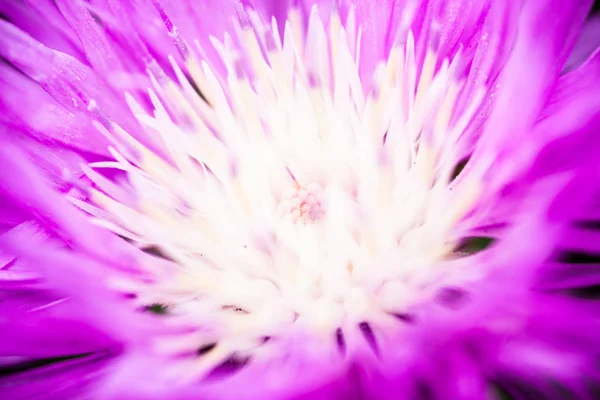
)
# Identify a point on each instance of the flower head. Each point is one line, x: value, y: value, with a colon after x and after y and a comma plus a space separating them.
x: 297, y: 199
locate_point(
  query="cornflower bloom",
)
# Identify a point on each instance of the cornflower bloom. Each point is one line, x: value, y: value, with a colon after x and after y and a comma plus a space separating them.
x: 299, y: 199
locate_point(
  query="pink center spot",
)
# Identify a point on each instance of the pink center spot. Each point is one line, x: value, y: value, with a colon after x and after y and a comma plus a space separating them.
x: 302, y: 205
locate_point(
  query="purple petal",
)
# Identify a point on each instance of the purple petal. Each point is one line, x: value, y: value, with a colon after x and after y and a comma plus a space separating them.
x: 61, y: 380
x: 93, y: 39
x: 25, y: 186
x: 28, y: 107
x: 539, y: 52
x: 69, y: 82
x: 587, y: 44
x: 42, y: 20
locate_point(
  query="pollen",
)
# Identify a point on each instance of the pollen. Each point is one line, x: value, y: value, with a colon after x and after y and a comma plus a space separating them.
x: 303, y: 205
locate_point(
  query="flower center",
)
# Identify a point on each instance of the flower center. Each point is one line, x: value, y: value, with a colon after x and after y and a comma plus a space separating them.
x: 262, y: 249
x: 302, y: 205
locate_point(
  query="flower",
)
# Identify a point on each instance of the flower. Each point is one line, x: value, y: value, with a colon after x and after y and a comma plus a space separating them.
x: 234, y: 199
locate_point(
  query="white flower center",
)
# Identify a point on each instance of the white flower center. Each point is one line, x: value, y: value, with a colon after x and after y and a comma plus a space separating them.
x: 295, y: 199
x: 302, y: 205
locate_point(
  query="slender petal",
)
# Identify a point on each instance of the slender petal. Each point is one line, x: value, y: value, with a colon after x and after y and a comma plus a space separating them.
x: 299, y: 199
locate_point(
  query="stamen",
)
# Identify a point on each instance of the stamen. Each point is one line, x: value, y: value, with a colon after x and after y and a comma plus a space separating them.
x: 302, y: 205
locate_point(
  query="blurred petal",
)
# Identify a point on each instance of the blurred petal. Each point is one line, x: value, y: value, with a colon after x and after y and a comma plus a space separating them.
x: 73, y: 85
x: 25, y: 186
x: 80, y: 300
x: 587, y: 44
x: 66, y: 379
x: 536, y: 60
x: 28, y: 107
x: 42, y: 20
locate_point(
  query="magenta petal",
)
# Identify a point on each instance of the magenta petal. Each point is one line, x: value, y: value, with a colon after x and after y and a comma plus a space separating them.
x: 65, y: 332
x: 41, y: 20
x: 569, y: 120
x: 25, y: 186
x: 530, y: 340
x: 588, y: 43
x: 67, y: 379
x: 557, y: 142
x: 27, y: 106
x: 375, y: 18
x: 524, y: 86
x: 10, y: 214
x: 93, y: 39
x: 574, y: 101
x: 531, y: 71
x: 506, y: 318
x: 75, y: 277
x: 73, y: 85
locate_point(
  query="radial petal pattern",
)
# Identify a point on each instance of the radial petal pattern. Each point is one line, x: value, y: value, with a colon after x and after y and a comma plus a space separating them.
x: 299, y: 199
